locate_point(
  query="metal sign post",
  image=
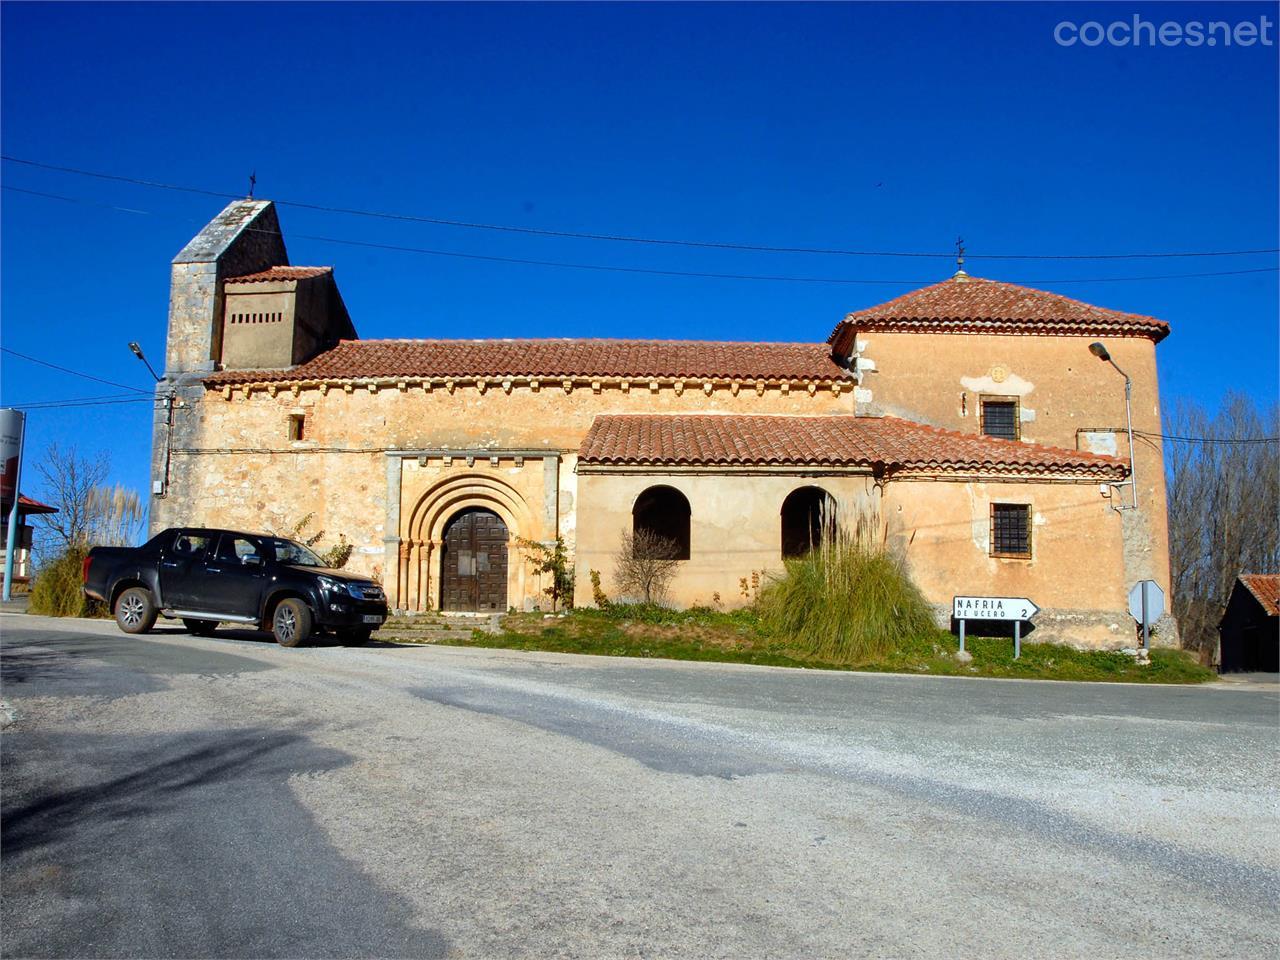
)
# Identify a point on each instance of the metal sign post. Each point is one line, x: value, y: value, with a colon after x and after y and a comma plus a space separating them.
x: 1017, y: 609
x: 12, y: 429
x: 1146, y: 603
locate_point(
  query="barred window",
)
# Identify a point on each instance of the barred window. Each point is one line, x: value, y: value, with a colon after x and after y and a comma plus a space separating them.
x: 1011, y: 530
x: 1000, y: 417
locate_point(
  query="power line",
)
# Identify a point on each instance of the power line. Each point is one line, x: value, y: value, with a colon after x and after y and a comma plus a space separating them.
x: 68, y: 404
x: 741, y: 276
x: 609, y: 268
x: 1163, y: 436
x: 624, y: 238
x: 88, y: 203
x: 74, y: 373
x: 81, y: 401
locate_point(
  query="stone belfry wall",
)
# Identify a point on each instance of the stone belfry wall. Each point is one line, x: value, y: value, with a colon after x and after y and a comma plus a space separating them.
x: 244, y: 238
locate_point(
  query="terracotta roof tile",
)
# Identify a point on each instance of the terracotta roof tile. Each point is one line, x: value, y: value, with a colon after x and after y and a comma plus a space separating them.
x: 830, y: 440
x: 272, y: 274
x: 975, y: 305
x: 692, y: 359
x: 1265, y: 588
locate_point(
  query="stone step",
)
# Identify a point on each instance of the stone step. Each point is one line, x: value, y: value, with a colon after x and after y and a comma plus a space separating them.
x: 441, y: 624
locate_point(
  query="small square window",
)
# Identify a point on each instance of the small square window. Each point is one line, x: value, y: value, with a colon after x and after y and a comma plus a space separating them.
x: 1000, y: 417
x: 297, y: 426
x: 1011, y: 530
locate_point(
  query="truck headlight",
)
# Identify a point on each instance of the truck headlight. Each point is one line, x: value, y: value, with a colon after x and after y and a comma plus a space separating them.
x: 342, y: 587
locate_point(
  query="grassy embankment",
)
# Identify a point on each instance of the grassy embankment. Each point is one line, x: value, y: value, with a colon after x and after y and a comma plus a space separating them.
x: 740, y: 637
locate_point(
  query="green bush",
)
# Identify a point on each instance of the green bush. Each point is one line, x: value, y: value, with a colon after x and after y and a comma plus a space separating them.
x: 848, y: 602
x: 57, y: 590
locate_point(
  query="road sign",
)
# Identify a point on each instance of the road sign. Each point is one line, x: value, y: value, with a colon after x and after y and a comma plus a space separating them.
x: 1155, y: 600
x: 1146, y: 603
x: 993, y: 608
x: 1016, y: 609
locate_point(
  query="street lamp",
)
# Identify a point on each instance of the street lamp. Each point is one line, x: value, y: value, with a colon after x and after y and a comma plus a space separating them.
x: 1100, y: 351
x: 137, y: 352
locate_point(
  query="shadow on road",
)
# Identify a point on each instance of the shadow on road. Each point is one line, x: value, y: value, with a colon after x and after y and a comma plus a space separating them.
x: 191, y: 844
x: 147, y: 790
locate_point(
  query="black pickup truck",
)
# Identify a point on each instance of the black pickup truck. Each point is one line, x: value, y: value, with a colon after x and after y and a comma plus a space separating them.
x: 205, y: 577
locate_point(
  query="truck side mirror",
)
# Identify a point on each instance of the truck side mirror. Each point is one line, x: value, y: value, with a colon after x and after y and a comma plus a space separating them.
x: 251, y: 560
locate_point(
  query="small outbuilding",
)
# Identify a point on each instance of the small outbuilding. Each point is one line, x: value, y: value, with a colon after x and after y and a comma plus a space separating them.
x: 22, y: 540
x: 1249, y: 633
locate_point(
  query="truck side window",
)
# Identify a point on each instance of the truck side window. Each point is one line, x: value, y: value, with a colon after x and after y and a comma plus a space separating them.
x: 235, y: 549
x: 189, y: 544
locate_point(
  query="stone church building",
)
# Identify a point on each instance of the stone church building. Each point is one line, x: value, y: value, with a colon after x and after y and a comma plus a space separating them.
x: 968, y: 419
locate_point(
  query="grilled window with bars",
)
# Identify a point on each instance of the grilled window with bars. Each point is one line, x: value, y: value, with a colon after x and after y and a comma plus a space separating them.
x: 1000, y: 417
x: 1011, y: 530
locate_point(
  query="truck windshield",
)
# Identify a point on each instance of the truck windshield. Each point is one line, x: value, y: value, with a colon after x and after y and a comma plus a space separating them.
x: 290, y: 551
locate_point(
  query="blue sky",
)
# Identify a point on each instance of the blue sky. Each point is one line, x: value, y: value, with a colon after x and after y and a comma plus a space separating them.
x: 894, y: 127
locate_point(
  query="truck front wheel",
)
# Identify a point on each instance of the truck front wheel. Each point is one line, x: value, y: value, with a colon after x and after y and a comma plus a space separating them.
x: 291, y: 623
x: 135, y: 610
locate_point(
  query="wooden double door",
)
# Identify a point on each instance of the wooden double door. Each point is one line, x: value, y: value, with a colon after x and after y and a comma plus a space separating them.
x: 474, y: 563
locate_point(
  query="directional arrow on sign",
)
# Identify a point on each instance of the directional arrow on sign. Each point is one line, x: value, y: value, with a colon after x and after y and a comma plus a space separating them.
x: 993, y: 608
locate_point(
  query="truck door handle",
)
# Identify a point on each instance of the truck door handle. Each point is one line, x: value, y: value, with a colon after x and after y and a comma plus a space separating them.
x: 170, y: 563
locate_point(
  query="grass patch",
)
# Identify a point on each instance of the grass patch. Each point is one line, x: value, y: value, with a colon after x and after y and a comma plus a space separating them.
x: 741, y: 636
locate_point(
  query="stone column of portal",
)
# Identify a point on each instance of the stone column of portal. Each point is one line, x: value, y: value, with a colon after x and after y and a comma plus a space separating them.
x: 433, y: 553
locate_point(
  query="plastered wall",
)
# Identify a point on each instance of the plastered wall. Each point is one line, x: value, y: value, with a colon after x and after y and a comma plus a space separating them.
x: 1067, y: 397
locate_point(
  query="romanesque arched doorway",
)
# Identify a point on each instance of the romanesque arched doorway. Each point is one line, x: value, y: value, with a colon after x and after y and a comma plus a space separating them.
x: 473, y: 574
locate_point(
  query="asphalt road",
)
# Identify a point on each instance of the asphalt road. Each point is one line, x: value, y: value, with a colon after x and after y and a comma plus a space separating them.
x: 170, y: 796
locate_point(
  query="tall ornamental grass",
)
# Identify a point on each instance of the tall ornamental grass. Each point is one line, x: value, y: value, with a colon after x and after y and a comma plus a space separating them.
x: 57, y: 590
x: 848, y: 601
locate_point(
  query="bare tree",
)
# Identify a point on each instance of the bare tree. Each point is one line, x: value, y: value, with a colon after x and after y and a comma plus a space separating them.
x: 646, y: 564
x: 90, y: 513
x: 68, y: 480
x: 1223, y: 509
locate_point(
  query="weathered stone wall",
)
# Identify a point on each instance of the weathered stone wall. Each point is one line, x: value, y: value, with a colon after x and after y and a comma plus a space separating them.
x: 240, y: 468
x: 244, y: 238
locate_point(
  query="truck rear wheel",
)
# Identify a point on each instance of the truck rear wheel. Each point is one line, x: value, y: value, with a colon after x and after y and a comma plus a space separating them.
x: 291, y: 623
x: 135, y: 610
x: 200, y: 628
x: 354, y: 636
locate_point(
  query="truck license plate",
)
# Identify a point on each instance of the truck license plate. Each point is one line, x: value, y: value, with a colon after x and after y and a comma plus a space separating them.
x: 372, y: 618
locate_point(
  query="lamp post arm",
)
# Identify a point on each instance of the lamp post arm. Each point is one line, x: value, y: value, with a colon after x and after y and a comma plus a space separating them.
x: 1128, y: 417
